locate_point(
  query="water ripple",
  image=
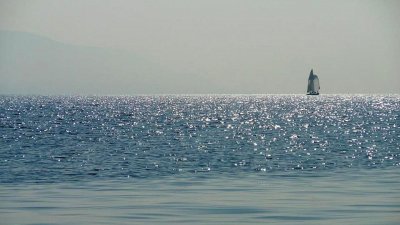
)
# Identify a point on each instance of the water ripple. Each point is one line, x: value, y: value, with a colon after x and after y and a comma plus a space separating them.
x: 51, y: 139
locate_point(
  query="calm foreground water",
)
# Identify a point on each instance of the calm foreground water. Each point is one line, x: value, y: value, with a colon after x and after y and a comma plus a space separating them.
x: 279, y: 159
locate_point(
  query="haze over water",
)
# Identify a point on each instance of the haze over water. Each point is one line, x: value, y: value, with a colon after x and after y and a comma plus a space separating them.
x: 130, y: 47
x: 73, y: 151
x: 205, y: 159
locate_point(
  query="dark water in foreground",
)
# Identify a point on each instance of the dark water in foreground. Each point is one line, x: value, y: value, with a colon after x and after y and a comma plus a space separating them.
x: 283, y: 159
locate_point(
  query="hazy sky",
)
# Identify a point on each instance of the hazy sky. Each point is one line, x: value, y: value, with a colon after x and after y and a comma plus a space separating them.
x: 247, y: 46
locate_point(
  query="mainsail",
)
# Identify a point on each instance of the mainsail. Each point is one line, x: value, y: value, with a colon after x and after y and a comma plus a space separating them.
x: 313, y: 84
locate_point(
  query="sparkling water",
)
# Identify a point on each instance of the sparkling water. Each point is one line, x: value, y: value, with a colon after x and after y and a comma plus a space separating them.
x: 207, y: 159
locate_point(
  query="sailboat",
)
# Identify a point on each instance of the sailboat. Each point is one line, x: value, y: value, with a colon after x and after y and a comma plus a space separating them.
x: 313, y: 84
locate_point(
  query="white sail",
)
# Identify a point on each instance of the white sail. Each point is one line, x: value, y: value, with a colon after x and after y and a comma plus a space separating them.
x: 313, y: 84
x: 316, y: 84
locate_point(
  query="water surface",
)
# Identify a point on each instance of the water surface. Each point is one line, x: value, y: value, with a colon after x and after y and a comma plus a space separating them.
x: 283, y: 159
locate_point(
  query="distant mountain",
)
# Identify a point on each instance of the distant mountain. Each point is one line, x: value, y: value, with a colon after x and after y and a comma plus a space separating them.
x: 32, y: 64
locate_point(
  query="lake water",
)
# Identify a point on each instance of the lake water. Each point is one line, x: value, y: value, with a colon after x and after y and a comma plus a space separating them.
x: 241, y: 159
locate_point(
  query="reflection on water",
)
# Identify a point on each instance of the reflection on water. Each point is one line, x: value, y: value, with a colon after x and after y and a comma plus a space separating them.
x: 283, y: 159
x: 64, y: 139
x: 356, y: 197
